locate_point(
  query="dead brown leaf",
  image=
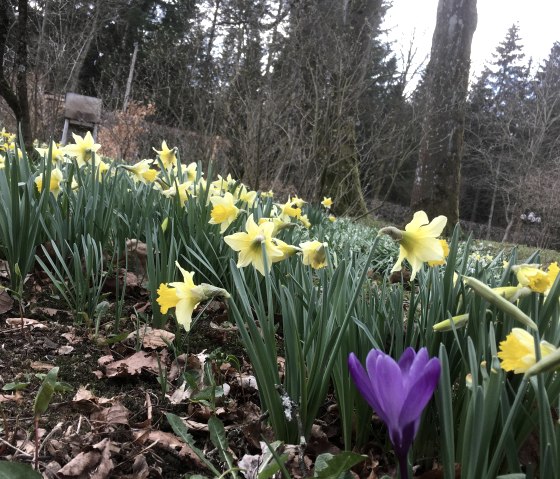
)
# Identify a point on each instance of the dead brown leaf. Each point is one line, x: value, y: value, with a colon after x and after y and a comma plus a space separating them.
x: 169, y: 442
x: 6, y: 301
x: 65, y: 350
x: 153, y: 338
x: 96, y: 463
x: 134, y: 364
x: 40, y: 366
x: 85, y: 401
x: 11, y: 397
x: 116, y: 414
x: 72, y: 337
x: 27, y: 323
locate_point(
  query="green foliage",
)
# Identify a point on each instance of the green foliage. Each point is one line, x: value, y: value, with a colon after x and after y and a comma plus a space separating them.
x: 13, y: 470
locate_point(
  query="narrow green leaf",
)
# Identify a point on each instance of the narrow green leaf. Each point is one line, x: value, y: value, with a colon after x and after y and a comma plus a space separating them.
x: 14, y: 470
x: 46, y: 391
x: 181, y: 430
x: 219, y: 439
x: 328, y: 466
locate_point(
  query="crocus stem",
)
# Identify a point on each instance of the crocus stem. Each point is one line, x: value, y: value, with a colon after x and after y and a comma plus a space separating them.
x: 403, y: 466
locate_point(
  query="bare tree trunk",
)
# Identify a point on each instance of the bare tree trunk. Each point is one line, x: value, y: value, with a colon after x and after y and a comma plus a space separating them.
x: 130, y: 77
x: 16, y: 100
x: 74, y: 79
x: 436, y: 184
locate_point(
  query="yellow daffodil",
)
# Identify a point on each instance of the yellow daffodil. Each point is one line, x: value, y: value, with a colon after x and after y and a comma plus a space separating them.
x: 445, y: 247
x: 101, y: 168
x: 182, y: 189
x: 305, y: 221
x: 250, y: 245
x: 223, y: 184
x: 224, y: 211
x: 531, y: 276
x: 267, y: 194
x: 327, y: 202
x: 54, y: 184
x: 287, y: 250
x: 278, y: 224
x: 167, y: 156
x: 246, y: 195
x: 14, y: 148
x: 289, y: 210
x: 418, y: 241
x: 57, y: 153
x: 517, y: 351
x: 83, y: 149
x: 183, y: 296
x: 297, y: 202
x: 332, y: 218
x: 191, y: 171
x: 141, y: 171
x: 552, y: 273
x: 314, y: 254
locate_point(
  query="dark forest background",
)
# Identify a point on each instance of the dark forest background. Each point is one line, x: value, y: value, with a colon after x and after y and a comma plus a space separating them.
x: 298, y: 96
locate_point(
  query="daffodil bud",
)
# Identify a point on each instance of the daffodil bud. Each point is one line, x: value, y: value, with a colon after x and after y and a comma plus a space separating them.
x: 499, y: 301
x: 447, y: 325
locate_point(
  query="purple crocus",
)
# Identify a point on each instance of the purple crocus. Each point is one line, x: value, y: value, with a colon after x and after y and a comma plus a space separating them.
x: 397, y: 392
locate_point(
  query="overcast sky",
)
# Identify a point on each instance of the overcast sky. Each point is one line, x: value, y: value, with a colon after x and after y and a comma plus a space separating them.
x: 538, y: 20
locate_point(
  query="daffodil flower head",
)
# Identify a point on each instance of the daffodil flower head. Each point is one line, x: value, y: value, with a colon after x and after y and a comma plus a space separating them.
x: 314, y: 254
x: 287, y: 250
x: 83, y: 148
x: 57, y: 153
x: 327, y: 202
x: 181, y: 189
x: 184, y: 296
x: 517, y: 351
x: 191, y: 171
x: 167, y: 156
x: 141, y: 171
x: 532, y: 276
x: 224, y: 211
x: 246, y: 195
x: 305, y: 221
x: 552, y: 273
x: 54, y: 184
x: 445, y: 247
x: 250, y: 245
x: 418, y: 242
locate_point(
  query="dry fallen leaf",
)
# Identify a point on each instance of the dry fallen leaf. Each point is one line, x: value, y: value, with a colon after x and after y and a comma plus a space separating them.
x: 40, y: 366
x: 116, y: 414
x: 169, y: 442
x: 153, y: 338
x: 65, y: 350
x: 11, y: 397
x: 27, y: 323
x: 6, y: 301
x: 96, y: 463
x: 134, y: 364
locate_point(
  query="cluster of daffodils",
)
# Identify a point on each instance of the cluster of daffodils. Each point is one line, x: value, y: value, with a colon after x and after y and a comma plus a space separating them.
x: 258, y: 246
x: 419, y: 244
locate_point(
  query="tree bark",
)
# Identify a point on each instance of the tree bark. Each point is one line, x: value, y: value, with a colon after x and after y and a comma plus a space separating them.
x: 436, y: 184
x: 17, y: 100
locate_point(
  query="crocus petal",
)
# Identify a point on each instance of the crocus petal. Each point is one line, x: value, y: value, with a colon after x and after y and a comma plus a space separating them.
x: 362, y: 381
x: 388, y: 387
x: 407, y: 359
x: 420, y: 392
